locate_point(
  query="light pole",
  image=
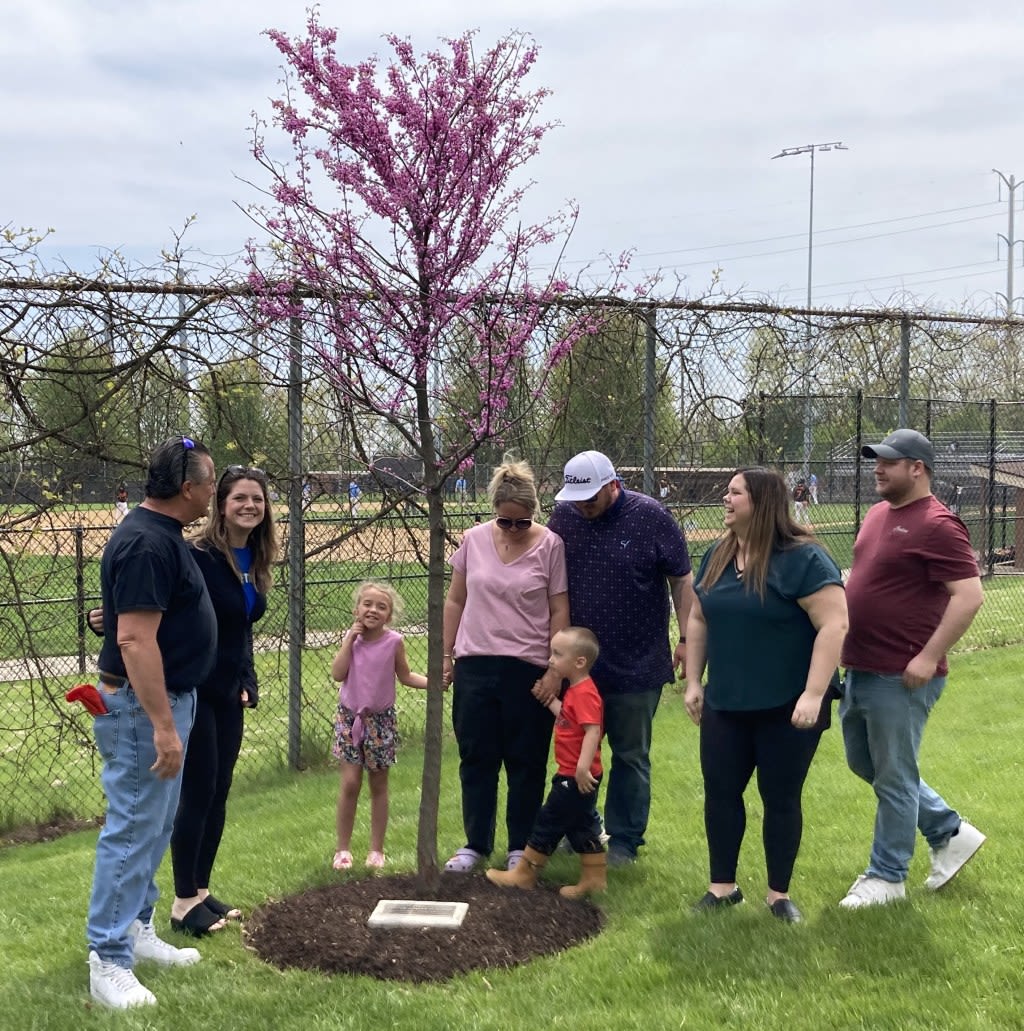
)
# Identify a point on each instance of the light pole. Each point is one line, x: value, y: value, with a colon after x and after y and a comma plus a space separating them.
x: 810, y: 148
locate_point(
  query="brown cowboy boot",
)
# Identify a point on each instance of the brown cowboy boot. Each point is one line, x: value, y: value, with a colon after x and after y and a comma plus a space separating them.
x: 593, y: 876
x: 525, y: 873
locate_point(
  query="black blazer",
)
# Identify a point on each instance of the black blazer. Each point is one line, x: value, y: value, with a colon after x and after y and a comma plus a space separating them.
x: 233, y: 670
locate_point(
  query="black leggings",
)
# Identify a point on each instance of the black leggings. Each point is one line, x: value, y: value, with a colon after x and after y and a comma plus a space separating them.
x: 213, y: 748
x: 732, y: 746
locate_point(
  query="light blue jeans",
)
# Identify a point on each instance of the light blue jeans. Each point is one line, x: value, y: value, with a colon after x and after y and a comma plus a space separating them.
x: 140, y: 816
x: 883, y: 722
x: 628, y: 722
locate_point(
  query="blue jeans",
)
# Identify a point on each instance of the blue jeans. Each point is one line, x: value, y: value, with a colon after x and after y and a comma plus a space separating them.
x: 140, y: 815
x: 628, y: 723
x: 883, y: 722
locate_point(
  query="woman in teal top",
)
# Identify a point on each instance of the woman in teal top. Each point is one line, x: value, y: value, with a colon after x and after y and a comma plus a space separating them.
x: 768, y: 623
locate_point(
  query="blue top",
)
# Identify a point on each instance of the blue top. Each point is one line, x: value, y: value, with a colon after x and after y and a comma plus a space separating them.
x: 243, y: 559
x: 618, y: 566
x: 759, y: 652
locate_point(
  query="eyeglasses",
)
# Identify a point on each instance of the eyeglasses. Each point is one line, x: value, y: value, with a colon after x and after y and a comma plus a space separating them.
x: 243, y: 472
x: 508, y: 524
x: 187, y: 445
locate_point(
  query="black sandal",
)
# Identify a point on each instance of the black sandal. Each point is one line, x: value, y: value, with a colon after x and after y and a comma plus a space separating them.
x: 198, y: 921
x: 222, y: 909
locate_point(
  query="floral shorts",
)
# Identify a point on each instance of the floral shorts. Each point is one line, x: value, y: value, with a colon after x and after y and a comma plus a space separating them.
x: 379, y: 739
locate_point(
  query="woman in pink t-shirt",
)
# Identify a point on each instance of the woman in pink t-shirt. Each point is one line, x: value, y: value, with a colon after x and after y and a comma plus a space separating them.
x: 508, y: 596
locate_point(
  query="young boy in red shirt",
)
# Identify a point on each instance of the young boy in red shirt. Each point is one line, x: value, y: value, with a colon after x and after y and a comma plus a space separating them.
x: 569, y: 808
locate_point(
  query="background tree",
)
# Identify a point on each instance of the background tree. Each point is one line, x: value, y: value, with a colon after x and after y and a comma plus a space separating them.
x: 594, y: 393
x: 421, y: 250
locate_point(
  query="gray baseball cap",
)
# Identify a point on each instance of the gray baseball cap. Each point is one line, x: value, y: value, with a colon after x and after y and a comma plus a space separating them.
x: 903, y: 444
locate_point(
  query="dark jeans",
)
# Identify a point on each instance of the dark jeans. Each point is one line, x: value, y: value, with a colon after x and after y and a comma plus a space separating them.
x: 567, y: 813
x: 213, y: 749
x: 628, y: 724
x: 498, y: 723
x: 732, y: 746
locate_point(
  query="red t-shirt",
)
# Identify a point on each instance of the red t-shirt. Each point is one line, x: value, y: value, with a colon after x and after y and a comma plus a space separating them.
x: 895, y: 593
x: 581, y: 706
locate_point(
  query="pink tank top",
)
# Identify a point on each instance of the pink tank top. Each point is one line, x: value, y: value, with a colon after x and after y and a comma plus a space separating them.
x: 370, y: 684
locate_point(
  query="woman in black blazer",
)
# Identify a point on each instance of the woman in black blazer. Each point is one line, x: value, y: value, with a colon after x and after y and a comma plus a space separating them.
x: 235, y: 553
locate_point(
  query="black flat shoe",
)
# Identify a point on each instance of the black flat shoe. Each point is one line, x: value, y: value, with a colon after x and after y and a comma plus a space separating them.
x: 711, y: 901
x: 785, y: 910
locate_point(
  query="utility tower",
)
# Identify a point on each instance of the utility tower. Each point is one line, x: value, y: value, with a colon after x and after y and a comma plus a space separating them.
x: 1011, y: 184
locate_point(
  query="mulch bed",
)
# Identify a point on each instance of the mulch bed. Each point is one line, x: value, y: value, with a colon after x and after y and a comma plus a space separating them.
x: 325, y: 929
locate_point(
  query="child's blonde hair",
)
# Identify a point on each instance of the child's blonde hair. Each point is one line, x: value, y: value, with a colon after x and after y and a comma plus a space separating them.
x: 397, y: 605
x: 583, y: 643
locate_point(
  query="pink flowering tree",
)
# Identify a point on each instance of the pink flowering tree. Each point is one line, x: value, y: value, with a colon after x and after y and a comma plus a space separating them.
x: 397, y: 214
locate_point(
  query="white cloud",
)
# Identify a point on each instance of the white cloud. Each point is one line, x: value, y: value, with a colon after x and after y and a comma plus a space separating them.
x: 123, y: 118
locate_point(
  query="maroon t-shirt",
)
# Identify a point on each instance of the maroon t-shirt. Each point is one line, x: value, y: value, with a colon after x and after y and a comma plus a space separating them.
x: 895, y: 593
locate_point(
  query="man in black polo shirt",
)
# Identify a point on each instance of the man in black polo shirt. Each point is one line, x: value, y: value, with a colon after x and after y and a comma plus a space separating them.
x: 160, y: 635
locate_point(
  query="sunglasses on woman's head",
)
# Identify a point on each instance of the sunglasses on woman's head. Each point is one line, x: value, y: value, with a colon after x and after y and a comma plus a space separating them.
x: 519, y: 524
x: 244, y: 472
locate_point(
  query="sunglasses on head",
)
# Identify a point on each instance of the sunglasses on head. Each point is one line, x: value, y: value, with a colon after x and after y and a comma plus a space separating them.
x: 507, y: 524
x: 244, y: 472
x: 187, y: 445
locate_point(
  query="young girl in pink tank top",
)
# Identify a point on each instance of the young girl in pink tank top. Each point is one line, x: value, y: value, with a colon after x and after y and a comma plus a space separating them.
x: 371, y: 657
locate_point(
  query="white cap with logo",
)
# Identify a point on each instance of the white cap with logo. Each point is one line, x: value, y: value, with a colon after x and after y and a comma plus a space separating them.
x: 585, y: 474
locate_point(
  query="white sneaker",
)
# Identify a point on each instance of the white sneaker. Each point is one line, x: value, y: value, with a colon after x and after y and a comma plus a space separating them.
x: 949, y: 860
x: 149, y: 946
x: 873, y: 891
x: 116, y: 987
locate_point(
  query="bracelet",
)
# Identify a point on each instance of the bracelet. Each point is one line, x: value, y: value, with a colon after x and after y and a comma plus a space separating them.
x: 447, y: 655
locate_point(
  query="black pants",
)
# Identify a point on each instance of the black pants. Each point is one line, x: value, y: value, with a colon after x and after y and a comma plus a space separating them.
x: 213, y: 748
x: 567, y: 813
x: 498, y: 723
x: 732, y: 746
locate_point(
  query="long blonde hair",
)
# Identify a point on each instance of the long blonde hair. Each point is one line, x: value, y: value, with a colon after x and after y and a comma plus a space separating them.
x: 772, y: 528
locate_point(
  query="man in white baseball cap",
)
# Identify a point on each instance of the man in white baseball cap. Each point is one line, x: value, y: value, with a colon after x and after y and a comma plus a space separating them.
x: 626, y: 558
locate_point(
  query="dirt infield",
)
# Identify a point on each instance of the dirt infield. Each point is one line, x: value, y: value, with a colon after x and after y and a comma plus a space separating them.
x: 327, y: 539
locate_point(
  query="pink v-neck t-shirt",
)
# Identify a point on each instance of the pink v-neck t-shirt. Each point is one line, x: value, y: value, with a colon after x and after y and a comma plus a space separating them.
x: 508, y: 609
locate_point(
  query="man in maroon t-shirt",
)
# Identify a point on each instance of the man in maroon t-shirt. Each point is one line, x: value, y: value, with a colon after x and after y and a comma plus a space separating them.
x: 912, y: 592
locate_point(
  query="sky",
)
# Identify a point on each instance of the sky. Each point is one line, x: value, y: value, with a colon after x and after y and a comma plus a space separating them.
x: 121, y: 120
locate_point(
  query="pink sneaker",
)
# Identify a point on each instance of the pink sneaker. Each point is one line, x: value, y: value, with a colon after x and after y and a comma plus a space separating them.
x: 342, y: 860
x: 375, y: 860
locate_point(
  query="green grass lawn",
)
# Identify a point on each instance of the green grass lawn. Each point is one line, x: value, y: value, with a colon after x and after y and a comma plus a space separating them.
x: 943, y: 961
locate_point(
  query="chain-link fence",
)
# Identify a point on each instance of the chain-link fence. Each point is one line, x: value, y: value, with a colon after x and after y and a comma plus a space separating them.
x: 677, y: 397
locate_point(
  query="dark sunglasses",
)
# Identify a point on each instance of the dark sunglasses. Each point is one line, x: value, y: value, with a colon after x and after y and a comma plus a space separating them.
x: 187, y: 445
x: 507, y: 524
x: 244, y: 472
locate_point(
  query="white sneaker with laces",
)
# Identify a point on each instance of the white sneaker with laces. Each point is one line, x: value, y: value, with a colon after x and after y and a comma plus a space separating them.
x: 873, y: 891
x: 148, y: 945
x: 949, y: 860
x: 116, y: 987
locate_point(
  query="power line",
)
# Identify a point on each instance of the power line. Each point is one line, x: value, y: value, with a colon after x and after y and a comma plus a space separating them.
x: 835, y: 229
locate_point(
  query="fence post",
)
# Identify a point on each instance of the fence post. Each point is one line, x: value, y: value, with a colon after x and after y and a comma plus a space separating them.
x: 651, y: 340
x: 857, y: 443
x: 904, y: 371
x: 990, y: 489
x: 761, y: 417
x: 296, y: 545
x: 80, y: 593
